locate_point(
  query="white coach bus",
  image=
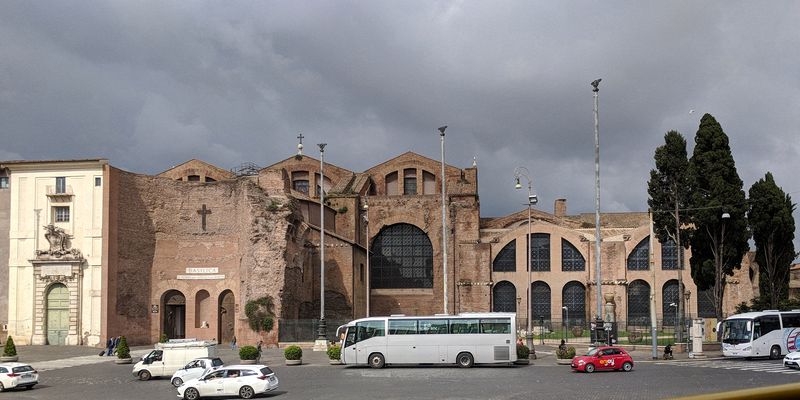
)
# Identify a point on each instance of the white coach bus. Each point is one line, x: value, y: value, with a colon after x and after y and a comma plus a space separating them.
x: 463, y: 339
x: 768, y: 333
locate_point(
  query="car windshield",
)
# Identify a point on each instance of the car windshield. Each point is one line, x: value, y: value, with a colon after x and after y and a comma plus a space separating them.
x: 592, y: 352
x: 24, y: 368
x: 736, y: 331
x: 216, y: 362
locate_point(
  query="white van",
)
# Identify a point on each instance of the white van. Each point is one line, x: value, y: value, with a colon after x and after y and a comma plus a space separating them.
x: 172, y: 356
x: 195, y: 369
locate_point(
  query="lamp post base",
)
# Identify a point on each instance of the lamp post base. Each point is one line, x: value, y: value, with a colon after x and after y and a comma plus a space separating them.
x: 321, y: 345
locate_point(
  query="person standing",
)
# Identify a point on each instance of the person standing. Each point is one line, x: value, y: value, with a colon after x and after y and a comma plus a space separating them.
x: 233, y: 343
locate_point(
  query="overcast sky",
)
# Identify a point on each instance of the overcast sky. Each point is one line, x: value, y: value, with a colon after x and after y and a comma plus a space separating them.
x: 150, y: 84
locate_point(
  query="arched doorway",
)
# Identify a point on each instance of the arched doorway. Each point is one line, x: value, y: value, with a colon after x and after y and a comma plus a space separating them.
x: 57, y: 314
x: 226, y: 313
x: 174, y: 321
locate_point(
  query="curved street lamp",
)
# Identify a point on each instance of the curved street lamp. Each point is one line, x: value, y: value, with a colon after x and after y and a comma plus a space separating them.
x: 522, y: 172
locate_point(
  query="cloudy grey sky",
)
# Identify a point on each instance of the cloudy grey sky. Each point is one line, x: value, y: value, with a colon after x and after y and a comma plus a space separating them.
x: 150, y: 84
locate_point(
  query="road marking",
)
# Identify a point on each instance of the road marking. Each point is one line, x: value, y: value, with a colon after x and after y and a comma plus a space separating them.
x: 751, y: 366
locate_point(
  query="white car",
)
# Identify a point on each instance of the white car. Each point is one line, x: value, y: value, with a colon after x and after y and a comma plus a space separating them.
x: 244, y: 381
x: 792, y: 360
x: 13, y: 375
x: 195, y: 369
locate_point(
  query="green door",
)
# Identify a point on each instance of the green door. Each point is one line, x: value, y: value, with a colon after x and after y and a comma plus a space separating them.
x: 57, y: 314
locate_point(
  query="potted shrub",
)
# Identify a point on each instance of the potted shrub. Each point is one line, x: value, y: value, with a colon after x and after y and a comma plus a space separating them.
x: 293, y: 355
x: 523, y: 352
x: 9, y: 351
x: 123, y: 352
x: 248, y: 354
x: 565, y: 356
x: 335, y: 354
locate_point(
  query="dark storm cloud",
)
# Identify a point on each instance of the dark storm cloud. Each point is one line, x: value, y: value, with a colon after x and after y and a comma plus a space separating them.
x: 152, y: 84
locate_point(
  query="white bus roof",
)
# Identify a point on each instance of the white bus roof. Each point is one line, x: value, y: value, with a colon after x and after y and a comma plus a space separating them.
x: 755, y: 314
x: 438, y: 316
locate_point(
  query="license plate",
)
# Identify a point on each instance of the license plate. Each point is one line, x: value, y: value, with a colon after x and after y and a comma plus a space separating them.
x: 26, y: 375
x: 272, y: 379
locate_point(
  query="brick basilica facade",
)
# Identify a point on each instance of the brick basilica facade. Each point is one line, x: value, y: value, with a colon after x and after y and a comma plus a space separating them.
x: 192, y: 251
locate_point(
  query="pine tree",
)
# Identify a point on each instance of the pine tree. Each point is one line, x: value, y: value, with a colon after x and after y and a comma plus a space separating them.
x: 717, y: 202
x: 772, y: 224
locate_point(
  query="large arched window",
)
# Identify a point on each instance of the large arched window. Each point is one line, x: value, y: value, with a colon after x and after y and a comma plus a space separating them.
x: 639, y: 303
x: 574, y: 298
x: 504, y: 295
x: 540, y: 252
x: 669, y: 255
x: 540, y: 301
x: 402, y: 257
x: 571, y: 258
x: 506, y: 260
x: 705, y: 303
x: 639, y: 258
x: 669, y: 302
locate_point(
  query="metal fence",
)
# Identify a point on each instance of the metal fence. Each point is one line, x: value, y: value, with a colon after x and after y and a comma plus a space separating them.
x: 305, y: 330
x: 622, y: 332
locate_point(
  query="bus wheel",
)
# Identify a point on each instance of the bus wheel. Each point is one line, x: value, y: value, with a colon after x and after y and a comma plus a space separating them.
x: 774, y: 353
x: 376, y: 360
x: 465, y: 360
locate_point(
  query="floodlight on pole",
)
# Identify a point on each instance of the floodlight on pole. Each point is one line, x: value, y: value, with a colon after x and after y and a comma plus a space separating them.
x: 321, y: 344
x: 522, y: 172
x: 597, y: 255
x: 366, y: 244
x: 444, y: 222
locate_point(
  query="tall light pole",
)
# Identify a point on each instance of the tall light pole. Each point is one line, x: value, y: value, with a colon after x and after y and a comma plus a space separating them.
x: 597, y: 255
x: 444, y: 222
x: 366, y: 220
x: 566, y: 323
x: 321, y: 344
x: 532, y: 200
x: 651, y: 263
x: 679, y: 249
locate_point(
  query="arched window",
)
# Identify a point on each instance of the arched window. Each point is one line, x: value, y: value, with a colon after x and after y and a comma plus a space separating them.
x: 669, y: 255
x: 639, y: 258
x: 300, y: 181
x: 669, y: 302
x: 540, y: 301
x: 409, y: 181
x: 402, y: 257
x: 574, y: 298
x: 639, y: 303
x: 540, y: 252
x: 505, y: 297
x: 705, y: 303
x: 506, y: 260
x: 571, y: 258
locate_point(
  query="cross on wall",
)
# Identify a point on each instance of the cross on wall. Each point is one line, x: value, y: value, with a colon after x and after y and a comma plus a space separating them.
x: 203, y: 212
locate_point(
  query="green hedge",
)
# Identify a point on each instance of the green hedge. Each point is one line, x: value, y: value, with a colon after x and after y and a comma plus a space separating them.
x: 335, y: 352
x: 523, y: 351
x: 248, y: 353
x: 10, y: 350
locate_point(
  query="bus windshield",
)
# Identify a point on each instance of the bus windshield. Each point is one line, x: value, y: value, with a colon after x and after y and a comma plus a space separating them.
x: 737, y: 331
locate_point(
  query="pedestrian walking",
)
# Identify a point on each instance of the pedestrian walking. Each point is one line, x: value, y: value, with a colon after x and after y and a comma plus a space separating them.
x: 258, y: 348
x: 233, y: 343
x: 109, y: 346
x: 116, y: 343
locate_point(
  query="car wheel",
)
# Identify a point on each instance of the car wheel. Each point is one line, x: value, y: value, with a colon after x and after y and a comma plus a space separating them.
x: 144, y: 375
x: 465, y: 360
x: 376, y: 360
x: 2, y: 387
x: 774, y: 353
x: 627, y: 367
x: 177, y: 382
x: 246, y: 392
x: 589, y: 368
x: 191, y: 394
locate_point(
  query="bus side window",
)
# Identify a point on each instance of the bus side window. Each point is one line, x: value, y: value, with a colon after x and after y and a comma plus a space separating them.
x: 770, y: 323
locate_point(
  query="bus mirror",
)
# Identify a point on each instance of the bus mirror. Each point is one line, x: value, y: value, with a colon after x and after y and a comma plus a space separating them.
x: 749, y: 326
x: 714, y: 329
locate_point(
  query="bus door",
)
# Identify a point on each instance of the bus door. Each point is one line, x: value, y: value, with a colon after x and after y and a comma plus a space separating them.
x: 349, y: 347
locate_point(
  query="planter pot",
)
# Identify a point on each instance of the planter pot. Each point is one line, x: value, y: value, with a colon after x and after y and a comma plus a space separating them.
x: 294, y: 362
x: 9, y: 358
x: 563, y: 361
x: 247, y: 362
x: 123, y: 361
x: 336, y: 362
x: 522, y: 361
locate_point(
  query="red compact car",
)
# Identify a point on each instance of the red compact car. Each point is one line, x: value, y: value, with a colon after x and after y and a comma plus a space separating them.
x: 603, y: 358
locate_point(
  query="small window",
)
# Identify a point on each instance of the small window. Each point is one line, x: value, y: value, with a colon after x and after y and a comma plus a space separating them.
x: 3, y: 182
x: 433, y: 326
x: 300, y: 181
x: 193, y: 178
x: 495, y: 326
x: 391, y: 184
x: 210, y: 179
x: 98, y: 181
x: 402, y: 327
x: 61, y: 184
x: 410, y: 182
x: 61, y: 214
x: 459, y: 326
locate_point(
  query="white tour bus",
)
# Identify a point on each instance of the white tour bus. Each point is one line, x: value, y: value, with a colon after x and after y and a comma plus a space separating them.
x: 462, y: 339
x: 768, y: 333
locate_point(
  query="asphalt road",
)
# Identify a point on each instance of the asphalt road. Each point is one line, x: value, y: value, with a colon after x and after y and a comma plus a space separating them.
x: 542, y: 380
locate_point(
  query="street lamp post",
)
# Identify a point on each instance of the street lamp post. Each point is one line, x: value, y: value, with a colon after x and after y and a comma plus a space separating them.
x: 532, y: 200
x: 676, y: 315
x: 566, y: 322
x: 321, y: 344
x: 366, y: 220
x: 444, y: 222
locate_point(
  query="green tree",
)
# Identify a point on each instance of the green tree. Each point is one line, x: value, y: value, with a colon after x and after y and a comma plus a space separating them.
x: 717, y: 200
x: 772, y: 224
x: 668, y: 190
